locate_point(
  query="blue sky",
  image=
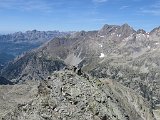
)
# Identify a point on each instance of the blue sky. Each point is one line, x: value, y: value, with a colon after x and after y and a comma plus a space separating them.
x: 70, y: 15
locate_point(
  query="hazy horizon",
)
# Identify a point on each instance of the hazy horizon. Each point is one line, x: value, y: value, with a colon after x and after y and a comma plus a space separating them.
x: 23, y: 31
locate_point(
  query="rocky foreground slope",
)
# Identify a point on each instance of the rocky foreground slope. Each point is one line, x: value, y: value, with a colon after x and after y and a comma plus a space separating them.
x: 68, y: 96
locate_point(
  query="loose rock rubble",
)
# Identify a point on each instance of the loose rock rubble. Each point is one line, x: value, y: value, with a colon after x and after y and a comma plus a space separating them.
x: 68, y: 96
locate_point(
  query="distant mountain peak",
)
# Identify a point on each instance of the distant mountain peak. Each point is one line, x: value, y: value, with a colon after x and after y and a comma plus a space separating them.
x: 126, y: 30
x: 34, y: 30
x: 107, y: 26
x: 126, y: 26
x: 107, y: 29
x: 122, y: 27
x: 141, y: 31
x: 157, y: 29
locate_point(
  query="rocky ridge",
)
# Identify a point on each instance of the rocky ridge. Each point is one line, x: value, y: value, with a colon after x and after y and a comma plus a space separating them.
x: 66, y: 95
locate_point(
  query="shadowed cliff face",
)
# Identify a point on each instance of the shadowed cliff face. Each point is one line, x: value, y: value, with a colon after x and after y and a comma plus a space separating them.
x: 66, y: 95
x: 115, y: 52
x: 35, y: 67
x: 4, y: 81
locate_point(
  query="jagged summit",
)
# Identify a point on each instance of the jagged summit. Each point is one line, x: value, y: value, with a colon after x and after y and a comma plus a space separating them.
x: 141, y: 31
x: 126, y: 25
x: 106, y: 26
x: 123, y: 31
x: 127, y: 28
x: 155, y: 30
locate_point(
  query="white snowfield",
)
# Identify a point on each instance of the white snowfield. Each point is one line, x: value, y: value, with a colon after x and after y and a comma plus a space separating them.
x: 102, y: 55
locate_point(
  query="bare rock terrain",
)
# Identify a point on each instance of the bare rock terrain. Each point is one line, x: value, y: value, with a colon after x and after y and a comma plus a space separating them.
x: 67, y: 95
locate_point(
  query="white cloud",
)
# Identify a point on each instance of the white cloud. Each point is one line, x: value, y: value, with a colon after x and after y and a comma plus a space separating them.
x: 124, y: 7
x: 27, y: 5
x: 100, y: 1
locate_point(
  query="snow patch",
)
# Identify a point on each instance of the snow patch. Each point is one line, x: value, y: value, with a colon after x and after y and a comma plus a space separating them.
x: 102, y: 36
x: 149, y: 47
x: 157, y: 43
x: 101, y: 45
x: 113, y: 34
x: 102, y: 55
x: 119, y: 35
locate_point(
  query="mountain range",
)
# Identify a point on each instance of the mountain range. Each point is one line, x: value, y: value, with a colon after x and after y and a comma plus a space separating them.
x: 114, y: 53
x: 12, y: 45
